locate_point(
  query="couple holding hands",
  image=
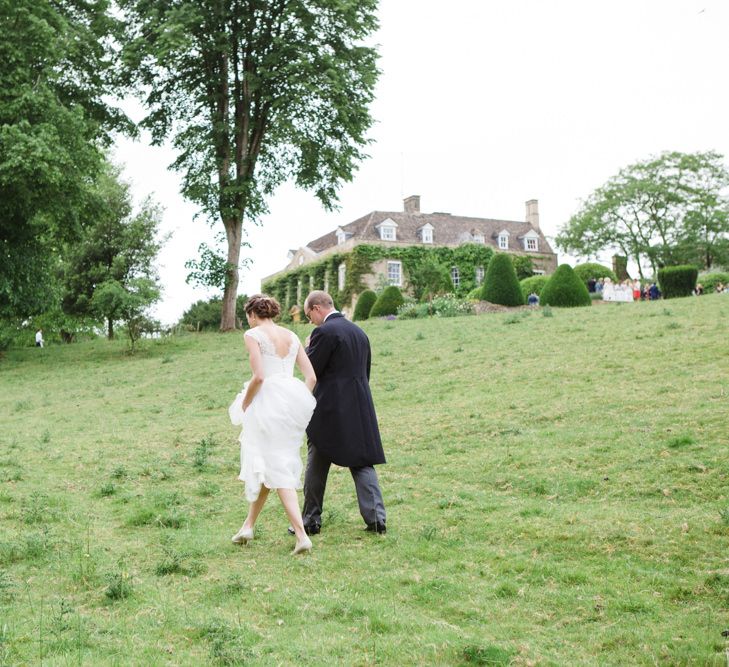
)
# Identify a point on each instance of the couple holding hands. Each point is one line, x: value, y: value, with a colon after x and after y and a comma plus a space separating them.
x: 333, y: 405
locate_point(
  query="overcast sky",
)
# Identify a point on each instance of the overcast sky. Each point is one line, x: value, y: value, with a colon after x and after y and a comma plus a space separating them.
x: 483, y: 104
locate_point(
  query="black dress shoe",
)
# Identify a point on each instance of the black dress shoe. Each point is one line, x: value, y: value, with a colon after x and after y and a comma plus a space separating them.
x: 311, y: 529
x: 377, y: 527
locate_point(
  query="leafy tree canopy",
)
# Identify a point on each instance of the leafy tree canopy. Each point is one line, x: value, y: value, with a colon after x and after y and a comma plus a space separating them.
x: 253, y: 94
x: 669, y: 209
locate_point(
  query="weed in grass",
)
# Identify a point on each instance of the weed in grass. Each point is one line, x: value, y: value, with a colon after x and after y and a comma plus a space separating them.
x: 673, y: 325
x: 419, y: 336
x: 386, y: 353
x: 20, y: 406
x: 506, y: 590
x: 514, y: 318
x: 724, y: 515
x: 206, y: 489
x: 7, y: 587
x: 36, y: 509
x: 202, y: 452
x: 119, y: 585
x: 45, y: 437
x: 681, y: 441
x: 108, y: 489
x: 230, y: 645
x: 167, y: 359
x: 547, y: 312
x: 120, y: 472
x: 389, y: 325
x: 175, y: 562
x: 428, y: 533
x: 667, y: 311
x: 487, y: 655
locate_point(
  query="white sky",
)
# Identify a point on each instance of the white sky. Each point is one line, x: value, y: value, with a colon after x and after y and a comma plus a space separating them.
x: 483, y: 104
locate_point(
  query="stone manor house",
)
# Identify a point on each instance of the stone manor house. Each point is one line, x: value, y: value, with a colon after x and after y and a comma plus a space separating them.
x: 413, y: 227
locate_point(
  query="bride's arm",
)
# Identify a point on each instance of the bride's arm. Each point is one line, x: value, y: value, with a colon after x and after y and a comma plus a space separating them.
x: 254, y: 358
x: 302, y: 361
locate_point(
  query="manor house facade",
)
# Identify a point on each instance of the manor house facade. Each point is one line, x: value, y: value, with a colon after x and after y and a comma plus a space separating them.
x: 412, y: 227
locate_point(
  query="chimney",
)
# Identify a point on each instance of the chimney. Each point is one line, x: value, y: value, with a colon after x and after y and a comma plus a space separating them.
x: 412, y: 204
x: 532, y: 213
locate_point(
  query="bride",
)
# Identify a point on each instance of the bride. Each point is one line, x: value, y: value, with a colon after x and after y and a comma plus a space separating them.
x: 274, y: 409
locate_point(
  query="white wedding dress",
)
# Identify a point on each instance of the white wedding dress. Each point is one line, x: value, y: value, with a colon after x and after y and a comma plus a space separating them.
x: 274, y: 423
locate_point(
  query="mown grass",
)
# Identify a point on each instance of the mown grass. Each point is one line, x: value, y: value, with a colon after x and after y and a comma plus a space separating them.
x: 556, y: 489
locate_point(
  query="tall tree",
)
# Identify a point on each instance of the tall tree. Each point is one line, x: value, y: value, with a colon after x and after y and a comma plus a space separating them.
x: 55, y: 73
x: 254, y: 92
x: 110, y: 272
x: 669, y: 209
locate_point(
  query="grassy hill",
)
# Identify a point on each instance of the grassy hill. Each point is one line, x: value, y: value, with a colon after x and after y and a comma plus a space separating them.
x: 556, y: 491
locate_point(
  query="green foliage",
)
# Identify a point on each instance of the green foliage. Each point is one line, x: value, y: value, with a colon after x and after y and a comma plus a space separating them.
x: 446, y: 305
x: 565, y: 289
x: 204, y: 315
x: 364, y: 305
x: 55, y: 77
x: 593, y: 270
x: 428, y: 278
x: 388, y: 302
x: 523, y: 266
x: 500, y: 283
x: 676, y: 281
x: 253, y: 96
x: 711, y: 280
x: 667, y: 210
x: 534, y: 284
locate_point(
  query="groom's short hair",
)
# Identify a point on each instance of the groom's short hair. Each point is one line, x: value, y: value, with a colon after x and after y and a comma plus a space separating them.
x: 319, y: 298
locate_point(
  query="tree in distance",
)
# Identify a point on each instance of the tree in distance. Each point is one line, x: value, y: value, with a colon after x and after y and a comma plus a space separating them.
x: 667, y: 210
x: 533, y: 284
x: 388, y: 302
x: 429, y: 278
x: 565, y: 289
x: 254, y: 94
x: 593, y: 270
x: 500, y: 282
x: 110, y: 272
x: 364, y: 305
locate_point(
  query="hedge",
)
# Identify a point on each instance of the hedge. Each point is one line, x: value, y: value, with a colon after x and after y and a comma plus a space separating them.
x: 388, y: 302
x: 500, y: 283
x: 364, y: 305
x: 711, y: 280
x: 534, y: 284
x: 565, y: 289
x: 677, y: 281
x: 593, y: 270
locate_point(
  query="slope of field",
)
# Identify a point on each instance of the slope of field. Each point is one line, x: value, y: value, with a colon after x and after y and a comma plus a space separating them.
x: 556, y: 490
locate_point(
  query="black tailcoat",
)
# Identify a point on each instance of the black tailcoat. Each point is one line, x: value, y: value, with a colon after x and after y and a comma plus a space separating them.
x: 344, y: 425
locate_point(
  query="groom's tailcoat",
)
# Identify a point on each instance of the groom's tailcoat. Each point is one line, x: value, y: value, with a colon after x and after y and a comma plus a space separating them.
x: 344, y: 425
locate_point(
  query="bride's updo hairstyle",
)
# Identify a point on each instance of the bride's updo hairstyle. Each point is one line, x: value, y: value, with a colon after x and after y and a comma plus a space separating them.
x: 263, y: 306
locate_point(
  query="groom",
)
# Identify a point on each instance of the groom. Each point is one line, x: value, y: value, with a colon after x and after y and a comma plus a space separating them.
x: 343, y: 429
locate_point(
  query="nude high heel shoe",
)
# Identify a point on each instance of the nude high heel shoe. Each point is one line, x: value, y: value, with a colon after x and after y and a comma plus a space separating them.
x: 243, y: 536
x: 302, y: 547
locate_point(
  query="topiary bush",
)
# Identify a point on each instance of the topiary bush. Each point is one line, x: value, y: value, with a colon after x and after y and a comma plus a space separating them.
x: 711, y: 280
x: 500, y: 283
x: 677, y: 281
x: 593, y: 270
x: 364, y: 305
x: 388, y: 302
x: 565, y: 289
x: 534, y: 284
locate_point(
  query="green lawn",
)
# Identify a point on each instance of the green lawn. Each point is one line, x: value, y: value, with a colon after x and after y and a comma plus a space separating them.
x: 557, y: 493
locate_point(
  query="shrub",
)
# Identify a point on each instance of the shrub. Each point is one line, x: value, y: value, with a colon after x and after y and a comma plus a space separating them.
x: 711, y: 280
x: 500, y: 283
x: 388, y: 302
x: 534, y: 284
x: 593, y: 270
x: 523, y: 266
x: 364, y: 305
x: 205, y: 315
x: 565, y: 289
x: 475, y: 294
x: 677, y: 280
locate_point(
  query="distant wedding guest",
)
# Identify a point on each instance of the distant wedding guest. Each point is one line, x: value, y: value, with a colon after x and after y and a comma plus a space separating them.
x: 533, y: 299
x: 295, y: 313
x: 719, y: 288
x: 39, y: 338
x: 699, y: 289
x: 653, y: 292
x: 274, y: 409
x: 599, y: 285
x: 608, y: 290
x: 591, y: 282
x: 636, y: 290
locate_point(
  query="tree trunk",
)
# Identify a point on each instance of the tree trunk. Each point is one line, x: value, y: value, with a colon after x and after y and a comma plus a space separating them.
x: 233, y: 232
x: 110, y: 329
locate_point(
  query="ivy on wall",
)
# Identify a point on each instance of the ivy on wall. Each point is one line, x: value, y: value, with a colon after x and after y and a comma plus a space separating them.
x: 359, y: 261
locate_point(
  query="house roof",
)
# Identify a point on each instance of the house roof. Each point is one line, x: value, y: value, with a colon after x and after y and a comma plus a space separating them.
x: 447, y: 230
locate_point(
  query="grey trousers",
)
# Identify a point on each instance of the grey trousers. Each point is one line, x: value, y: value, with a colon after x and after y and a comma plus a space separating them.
x: 369, y: 496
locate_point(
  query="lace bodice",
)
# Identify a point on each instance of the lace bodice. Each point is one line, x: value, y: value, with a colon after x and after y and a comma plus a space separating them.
x: 272, y: 362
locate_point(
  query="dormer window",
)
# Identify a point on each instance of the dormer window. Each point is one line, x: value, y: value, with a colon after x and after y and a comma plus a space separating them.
x: 503, y: 240
x: 341, y: 236
x: 426, y: 233
x: 478, y: 237
x: 531, y: 242
x: 388, y: 230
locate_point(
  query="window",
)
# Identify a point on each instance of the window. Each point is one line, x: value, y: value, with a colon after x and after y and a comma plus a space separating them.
x: 479, y: 238
x: 394, y: 273
x: 387, y: 233
x: 479, y: 275
x: 341, y: 237
x: 455, y: 276
x: 538, y: 272
x: 531, y: 243
x: 503, y: 241
x: 341, y: 276
x: 427, y: 235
